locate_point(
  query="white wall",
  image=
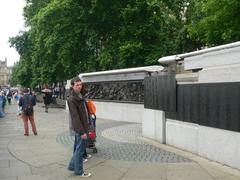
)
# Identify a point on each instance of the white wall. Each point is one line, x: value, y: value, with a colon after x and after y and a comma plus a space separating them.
x: 216, y: 144
x: 153, y: 125
x: 182, y: 135
x: 227, y: 73
x: 222, y: 57
x: 220, y: 145
x: 153, y: 121
x: 120, y: 111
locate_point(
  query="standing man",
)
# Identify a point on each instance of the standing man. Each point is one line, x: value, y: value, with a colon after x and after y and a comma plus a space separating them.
x: 26, y: 102
x: 79, y: 125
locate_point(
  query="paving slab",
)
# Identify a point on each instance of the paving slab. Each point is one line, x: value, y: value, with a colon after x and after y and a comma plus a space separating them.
x: 147, y: 170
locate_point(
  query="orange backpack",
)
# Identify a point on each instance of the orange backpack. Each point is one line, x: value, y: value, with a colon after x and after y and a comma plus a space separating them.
x: 91, y: 107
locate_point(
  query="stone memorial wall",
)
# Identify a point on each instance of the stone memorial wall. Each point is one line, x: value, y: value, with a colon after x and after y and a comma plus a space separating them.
x: 207, y: 116
x: 118, y: 94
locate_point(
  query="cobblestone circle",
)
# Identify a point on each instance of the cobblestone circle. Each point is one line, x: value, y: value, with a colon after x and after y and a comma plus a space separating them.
x: 120, y: 141
x: 129, y: 133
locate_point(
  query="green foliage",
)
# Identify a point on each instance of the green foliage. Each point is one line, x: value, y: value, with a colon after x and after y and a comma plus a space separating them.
x: 68, y: 37
x: 215, y: 22
x: 22, y: 71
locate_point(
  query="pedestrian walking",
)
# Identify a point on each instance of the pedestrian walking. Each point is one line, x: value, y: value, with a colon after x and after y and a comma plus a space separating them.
x: 47, y: 98
x: 3, y: 98
x: 34, y: 95
x: 2, y: 104
x: 79, y: 126
x: 9, y: 96
x: 26, y: 103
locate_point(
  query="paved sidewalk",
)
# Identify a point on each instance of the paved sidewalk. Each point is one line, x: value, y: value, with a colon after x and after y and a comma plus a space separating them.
x: 122, y: 153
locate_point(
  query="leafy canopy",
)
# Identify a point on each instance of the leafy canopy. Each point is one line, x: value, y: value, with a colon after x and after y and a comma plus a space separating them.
x: 68, y: 37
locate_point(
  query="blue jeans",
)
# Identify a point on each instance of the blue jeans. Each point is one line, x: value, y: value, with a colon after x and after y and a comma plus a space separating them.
x: 76, y: 163
x: 85, y: 151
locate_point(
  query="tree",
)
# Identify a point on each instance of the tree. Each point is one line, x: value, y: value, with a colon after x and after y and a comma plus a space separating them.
x: 214, y: 22
x: 68, y: 37
x: 23, y: 70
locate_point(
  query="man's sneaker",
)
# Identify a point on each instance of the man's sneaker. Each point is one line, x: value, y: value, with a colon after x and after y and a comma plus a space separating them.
x: 85, y: 160
x: 89, y: 156
x: 85, y: 175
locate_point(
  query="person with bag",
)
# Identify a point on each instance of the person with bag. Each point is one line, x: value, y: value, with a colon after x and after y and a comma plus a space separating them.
x: 79, y: 126
x: 47, y: 99
x: 26, y: 103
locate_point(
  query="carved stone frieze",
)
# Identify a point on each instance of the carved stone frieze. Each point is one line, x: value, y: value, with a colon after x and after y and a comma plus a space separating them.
x: 127, y: 91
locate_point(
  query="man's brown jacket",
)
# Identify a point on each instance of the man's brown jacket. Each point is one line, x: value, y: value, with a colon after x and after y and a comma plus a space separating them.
x: 78, y: 113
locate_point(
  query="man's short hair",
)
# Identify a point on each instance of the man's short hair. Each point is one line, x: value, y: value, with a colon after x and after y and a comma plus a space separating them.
x: 75, y: 79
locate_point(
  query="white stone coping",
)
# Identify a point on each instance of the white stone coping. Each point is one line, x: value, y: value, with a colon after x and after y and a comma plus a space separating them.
x: 187, y: 77
x: 228, y: 56
x: 172, y: 58
x: 155, y: 68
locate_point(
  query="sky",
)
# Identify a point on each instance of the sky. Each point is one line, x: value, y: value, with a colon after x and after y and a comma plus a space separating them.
x: 11, y: 22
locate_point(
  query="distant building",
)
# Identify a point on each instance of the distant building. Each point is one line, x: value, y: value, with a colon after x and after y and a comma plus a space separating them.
x: 5, y: 73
